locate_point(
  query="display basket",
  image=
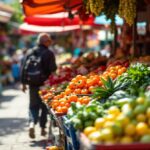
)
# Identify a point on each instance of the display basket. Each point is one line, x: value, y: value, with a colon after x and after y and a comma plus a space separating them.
x: 87, y: 145
x: 71, y: 137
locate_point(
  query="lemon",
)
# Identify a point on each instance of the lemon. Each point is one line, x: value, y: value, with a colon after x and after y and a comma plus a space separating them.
x: 141, y: 118
x: 130, y: 129
x: 140, y: 100
x: 123, y: 120
x: 141, y: 128
x: 110, y: 117
x: 148, y: 112
x: 99, y: 122
x: 107, y: 134
x: 126, y: 140
x: 108, y: 124
x: 95, y: 136
x: 89, y: 130
x: 114, y: 110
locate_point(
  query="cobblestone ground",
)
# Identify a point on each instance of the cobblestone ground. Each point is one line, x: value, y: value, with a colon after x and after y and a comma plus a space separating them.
x: 14, y: 123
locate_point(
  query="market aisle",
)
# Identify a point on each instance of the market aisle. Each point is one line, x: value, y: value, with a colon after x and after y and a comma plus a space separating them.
x: 14, y: 123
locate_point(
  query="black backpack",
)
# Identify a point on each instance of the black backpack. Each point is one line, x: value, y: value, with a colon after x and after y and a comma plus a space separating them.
x: 32, y: 73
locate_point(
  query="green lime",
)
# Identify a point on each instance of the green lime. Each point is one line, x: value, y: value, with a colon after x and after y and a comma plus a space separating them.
x: 139, y: 109
x: 117, y: 129
x: 88, y: 123
x: 145, y: 139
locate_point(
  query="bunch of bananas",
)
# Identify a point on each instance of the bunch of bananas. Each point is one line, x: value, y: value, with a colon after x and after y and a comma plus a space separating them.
x: 127, y: 10
x: 94, y: 6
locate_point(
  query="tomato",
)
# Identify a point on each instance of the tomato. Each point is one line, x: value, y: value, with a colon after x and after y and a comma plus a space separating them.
x: 59, y: 109
x: 72, y: 98
x: 77, y: 91
x: 68, y: 91
x: 81, y: 83
x: 64, y: 109
x: 84, y: 91
x: 72, y: 85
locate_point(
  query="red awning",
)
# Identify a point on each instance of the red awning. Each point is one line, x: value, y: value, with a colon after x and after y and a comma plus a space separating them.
x: 59, y: 19
x: 34, y: 7
x: 51, y: 29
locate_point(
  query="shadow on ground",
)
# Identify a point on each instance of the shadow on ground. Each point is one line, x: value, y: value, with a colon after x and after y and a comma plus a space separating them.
x: 12, y: 125
x: 41, y: 143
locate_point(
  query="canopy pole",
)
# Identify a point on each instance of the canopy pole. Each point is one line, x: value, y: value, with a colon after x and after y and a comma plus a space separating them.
x: 134, y: 34
x: 115, y: 41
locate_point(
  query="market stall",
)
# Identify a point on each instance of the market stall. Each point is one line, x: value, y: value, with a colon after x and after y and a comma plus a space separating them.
x: 99, y: 103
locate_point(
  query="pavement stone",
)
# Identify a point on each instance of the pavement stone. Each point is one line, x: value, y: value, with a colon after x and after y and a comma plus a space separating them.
x: 14, y: 123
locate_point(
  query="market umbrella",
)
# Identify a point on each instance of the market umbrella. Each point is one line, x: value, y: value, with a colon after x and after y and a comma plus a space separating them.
x: 34, y: 7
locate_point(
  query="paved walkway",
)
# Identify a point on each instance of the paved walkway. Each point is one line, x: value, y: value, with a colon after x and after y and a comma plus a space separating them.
x: 14, y: 123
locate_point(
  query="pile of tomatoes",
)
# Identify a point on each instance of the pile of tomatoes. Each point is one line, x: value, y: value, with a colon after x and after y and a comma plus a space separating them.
x: 83, y: 85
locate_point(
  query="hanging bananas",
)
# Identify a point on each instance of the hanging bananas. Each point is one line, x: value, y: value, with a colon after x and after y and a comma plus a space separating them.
x: 127, y: 10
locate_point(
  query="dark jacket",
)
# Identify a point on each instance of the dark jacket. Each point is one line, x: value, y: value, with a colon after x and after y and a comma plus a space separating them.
x: 47, y: 60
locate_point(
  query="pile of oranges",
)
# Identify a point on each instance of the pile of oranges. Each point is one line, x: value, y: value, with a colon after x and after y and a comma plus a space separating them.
x: 83, y: 85
x: 61, y: 105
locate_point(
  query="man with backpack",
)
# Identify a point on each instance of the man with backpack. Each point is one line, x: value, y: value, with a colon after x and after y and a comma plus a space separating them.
x: 37, y: 65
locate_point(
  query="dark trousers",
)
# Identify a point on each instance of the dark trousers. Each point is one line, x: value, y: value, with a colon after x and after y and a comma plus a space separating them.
x: 37, y: 109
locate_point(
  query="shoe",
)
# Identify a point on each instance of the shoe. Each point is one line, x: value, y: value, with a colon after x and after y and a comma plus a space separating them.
x: 43, y: 132
x: 31, y: 131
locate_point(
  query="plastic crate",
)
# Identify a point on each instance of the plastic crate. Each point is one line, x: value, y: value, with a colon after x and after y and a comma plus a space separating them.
x: 71, y: 137
x: 87, y: 145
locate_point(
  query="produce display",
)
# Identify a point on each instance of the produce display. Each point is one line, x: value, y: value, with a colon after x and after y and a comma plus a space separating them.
x: 117, y: 116
x: 109, y: 105
x: 83, y: 85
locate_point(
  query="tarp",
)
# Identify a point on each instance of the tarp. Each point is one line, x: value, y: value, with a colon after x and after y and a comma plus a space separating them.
x: 34, y: 7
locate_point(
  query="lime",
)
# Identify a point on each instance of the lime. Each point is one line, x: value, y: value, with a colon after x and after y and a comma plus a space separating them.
x: 140, y: 100
x: 93, y: 116
x: 129, y: 114
x: 145, y: 139
x: 139, y: 109
x: 117, y: 129
x: 88, y: 123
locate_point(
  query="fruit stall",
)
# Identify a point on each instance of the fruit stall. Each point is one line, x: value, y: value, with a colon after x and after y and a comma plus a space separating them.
x: 97, y: 103
x: 108, y: 109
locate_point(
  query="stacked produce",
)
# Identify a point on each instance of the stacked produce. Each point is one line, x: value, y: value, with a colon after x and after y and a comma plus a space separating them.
x: 84, y: 85
x: 120, y: 111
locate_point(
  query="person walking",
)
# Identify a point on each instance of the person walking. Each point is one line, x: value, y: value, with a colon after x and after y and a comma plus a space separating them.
x: 37, y: 65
